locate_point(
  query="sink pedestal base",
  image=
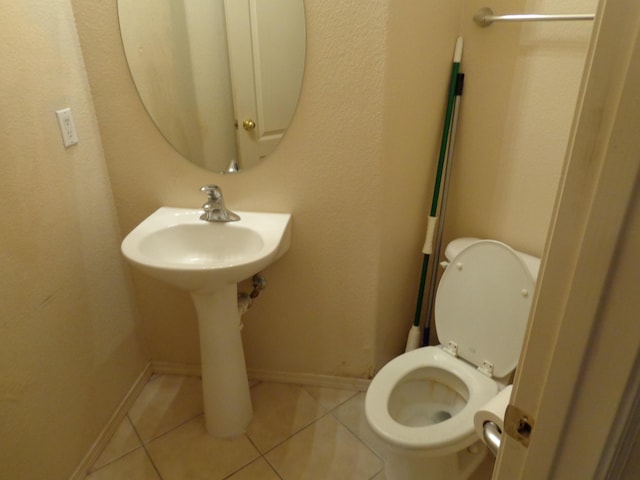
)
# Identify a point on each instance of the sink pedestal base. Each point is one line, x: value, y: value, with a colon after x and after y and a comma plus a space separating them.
x: 227, y: 401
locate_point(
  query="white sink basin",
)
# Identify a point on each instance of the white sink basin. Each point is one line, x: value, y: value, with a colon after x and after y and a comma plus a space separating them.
x: 209, y: 259
x: 175, y: 246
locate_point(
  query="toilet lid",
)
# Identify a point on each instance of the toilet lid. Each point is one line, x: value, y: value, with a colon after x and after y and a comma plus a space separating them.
x: 483, y: 304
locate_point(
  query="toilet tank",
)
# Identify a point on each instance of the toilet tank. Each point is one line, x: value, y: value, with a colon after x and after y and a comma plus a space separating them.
x: 459, y: 244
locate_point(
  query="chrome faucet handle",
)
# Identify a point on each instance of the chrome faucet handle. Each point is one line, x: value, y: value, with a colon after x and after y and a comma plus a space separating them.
x: 212, y: 191
x: 214, y: 208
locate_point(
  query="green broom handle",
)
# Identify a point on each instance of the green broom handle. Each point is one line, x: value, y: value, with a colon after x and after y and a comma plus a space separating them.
x: 441, y: 160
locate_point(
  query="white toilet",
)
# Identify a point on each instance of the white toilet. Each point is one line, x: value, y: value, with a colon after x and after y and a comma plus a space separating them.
x: 421, y: 404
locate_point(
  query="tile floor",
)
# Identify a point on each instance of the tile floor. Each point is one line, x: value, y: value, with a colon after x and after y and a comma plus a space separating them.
x: 298, y: 432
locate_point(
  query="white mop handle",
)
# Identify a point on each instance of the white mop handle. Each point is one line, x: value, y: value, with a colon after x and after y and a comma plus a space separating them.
x: 427, y: 249
x: 457, y: 54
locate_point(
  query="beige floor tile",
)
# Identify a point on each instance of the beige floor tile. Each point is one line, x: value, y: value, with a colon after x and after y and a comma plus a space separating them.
x: 166, y: 402
x: 485, y: 470
x: 309, y: 444
x: 189, y: 452
x: 258, y: 470
x: 351, y: 414
x: 330, y: 398
x: 280, y: 410
x: 325, y: 450
x: 123, y: 441
x: 380, y: 476
x: 133, y: 466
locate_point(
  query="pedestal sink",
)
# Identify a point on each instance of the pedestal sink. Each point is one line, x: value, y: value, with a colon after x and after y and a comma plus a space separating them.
x: 208, y: 259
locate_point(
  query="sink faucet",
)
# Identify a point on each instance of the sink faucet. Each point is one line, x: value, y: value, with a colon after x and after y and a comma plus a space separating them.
x: 214, y: 209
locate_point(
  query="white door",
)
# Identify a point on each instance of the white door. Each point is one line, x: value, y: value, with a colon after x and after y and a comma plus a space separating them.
x: 266, y: 40
x: 578, y: 375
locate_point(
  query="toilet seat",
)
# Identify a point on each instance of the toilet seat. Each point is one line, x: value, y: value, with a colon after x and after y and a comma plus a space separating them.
x: 422, y: 403
x: 482, y: 306
x: 442, y: 438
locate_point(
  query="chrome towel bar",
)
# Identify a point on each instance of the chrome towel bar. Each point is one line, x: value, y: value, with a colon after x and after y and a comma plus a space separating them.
x: 485, y: 17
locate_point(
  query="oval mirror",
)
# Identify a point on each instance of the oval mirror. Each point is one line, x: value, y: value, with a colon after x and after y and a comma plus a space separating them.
x: 219, y: 78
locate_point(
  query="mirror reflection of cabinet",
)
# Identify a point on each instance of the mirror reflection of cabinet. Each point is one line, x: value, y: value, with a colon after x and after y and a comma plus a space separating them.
x: 204, y: 67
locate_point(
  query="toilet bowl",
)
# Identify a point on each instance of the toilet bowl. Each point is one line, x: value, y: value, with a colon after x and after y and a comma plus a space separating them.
x: 421, y: 404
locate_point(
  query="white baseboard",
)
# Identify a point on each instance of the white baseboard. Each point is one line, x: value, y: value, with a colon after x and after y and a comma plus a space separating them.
x: 168, y: 368
x: 314, y: 379
x: 110, y: 428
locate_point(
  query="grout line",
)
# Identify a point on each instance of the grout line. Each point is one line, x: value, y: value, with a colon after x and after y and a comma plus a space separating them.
x: 355, y: 392
x: 144, y: 447
x: 324, y: 414
x: 304, y: 427
x: 115, y: 460
x: 366, y: 445
x: 293, y: 434
x: 274, y: 469
x: 122, y: 455
x: 172, y: 428
x: 261, y: 457
x: 377, y: 473
x: 325, y: 411
x: 253, y: 443
x: 360, y: 439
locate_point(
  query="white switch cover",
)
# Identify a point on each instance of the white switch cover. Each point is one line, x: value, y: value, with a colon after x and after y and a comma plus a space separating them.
x: 67, y: 127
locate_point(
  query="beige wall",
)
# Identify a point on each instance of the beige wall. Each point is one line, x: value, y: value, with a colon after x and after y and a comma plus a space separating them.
x: 68, y: 345
x: 420, y: 45
x: 356, y: 170
x: 320, y: 311
x: 521, y: 90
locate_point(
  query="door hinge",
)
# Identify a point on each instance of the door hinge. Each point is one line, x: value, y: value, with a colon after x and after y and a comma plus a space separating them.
x: 518, y: 425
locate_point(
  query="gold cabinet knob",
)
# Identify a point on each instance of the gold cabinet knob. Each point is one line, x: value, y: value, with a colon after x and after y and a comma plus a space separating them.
x: 248, y: 124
